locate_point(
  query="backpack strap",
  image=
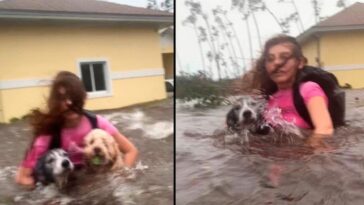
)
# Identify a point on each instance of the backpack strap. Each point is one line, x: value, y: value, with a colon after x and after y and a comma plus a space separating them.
x: 92, y: 118
x: 56, y: 138
x: 329, y: 83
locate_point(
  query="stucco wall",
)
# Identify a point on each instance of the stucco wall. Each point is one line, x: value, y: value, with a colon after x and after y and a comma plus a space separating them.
x: 309, y: 49
x: 1, y: 108
x: 30, y: 52
x: 341, y: 53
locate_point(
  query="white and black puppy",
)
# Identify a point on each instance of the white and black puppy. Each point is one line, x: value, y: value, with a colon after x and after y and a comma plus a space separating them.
x: 246, y: 115
x: 53, y: 167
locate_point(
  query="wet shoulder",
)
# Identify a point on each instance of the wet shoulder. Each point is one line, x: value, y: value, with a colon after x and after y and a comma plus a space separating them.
x: 42, y: 140
x: 106, y: 125
x: 310, y: 89
x: 308, y: 86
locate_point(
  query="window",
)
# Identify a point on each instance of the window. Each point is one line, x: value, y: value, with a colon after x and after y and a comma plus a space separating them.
x: 94, y: 76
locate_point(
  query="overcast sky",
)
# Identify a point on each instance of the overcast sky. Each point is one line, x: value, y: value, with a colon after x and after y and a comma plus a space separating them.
x: 187, y: 50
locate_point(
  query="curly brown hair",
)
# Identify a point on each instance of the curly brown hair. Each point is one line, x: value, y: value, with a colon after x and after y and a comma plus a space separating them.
x: 51, y: 121
x: 259, y: 79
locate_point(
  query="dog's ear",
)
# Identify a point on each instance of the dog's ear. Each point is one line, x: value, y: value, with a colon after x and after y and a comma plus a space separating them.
x: 41, y: 173
x: 117, y: 158
x: 116, y: 151
x: 231, y: 118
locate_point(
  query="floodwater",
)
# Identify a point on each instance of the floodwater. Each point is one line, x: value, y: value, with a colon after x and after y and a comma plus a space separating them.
x: 211, y: 171
x: 148, y: 126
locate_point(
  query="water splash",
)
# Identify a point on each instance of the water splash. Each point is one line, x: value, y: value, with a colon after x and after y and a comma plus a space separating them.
x: 281, y: 126
x: 187, y: 104
x: 7, y: 172
x: 138, y: 120
x: 159, y: 130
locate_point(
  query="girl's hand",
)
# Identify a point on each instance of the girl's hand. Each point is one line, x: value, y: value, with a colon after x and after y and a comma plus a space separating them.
x: 74, y: 148
x: 24, y: 177
x: 129, y: 150
x: 318, y: 144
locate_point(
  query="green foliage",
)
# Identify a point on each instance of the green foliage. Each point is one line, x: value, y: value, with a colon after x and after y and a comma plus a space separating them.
x: 346, y: 86
x: 199, y: 86
x: 14, y: 119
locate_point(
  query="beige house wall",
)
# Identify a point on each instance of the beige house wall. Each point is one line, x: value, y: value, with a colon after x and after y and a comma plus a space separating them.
x: 32, y: 53
x: 340, y: 53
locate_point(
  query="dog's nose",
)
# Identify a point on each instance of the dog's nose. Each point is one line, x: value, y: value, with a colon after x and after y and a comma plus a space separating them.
x: 65, y: 164
x: 247, y: 114
x: 97, y: 150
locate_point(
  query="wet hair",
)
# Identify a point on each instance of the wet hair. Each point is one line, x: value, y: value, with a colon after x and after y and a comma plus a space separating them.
x: 261, y: 80
x: 51, y: 121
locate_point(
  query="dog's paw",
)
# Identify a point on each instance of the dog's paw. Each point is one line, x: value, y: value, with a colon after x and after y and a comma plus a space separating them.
x: 231, y: 138
x: 263, y: 129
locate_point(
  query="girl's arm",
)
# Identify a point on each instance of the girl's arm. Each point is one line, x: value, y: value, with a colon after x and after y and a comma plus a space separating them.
x: 320, y: 116
x: 322, y: 123
x: 129, y: 150
x: 24, y: 175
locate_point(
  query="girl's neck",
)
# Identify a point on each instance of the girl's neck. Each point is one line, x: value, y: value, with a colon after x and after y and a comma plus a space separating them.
x: 285, y: 86
x: 72, y: 122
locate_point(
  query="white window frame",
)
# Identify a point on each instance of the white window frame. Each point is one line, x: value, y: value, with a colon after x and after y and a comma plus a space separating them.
x: 108, y: 80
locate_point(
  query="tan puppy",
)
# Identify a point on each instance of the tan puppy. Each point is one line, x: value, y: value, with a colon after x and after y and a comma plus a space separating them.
x: 101, y: 151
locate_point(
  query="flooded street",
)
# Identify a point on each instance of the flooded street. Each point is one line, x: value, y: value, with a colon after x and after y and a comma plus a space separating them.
x: 211, y: 172
x: 148, y: 126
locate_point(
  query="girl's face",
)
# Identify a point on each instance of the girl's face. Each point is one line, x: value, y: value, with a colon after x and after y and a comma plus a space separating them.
x: 282, y: 65
x: 66, y: 102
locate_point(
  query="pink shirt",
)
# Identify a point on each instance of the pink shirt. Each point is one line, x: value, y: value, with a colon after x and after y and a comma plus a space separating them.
x: 283, y: 99
x: 70, y: 138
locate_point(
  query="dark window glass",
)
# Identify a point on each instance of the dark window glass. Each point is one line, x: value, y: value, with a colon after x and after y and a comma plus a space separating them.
x: 99, y: 76
x: 86, y: 77
x: 169, y: 87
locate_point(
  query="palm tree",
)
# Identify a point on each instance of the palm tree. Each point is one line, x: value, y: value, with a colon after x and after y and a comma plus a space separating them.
x: 316, y: 9
x: 227, y: 37
x: 195, y: 7
x: 254, y: 6
x: 233, y: 37
x: 265, y: 8
x: 298, y: 15
x: 192, y: 19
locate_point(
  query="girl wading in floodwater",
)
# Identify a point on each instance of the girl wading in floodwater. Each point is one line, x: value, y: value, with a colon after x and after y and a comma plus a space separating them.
x: 64, y: 124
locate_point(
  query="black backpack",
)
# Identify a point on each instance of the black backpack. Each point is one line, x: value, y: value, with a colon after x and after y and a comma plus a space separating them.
x: 329, y: 83
x: 56, y: 138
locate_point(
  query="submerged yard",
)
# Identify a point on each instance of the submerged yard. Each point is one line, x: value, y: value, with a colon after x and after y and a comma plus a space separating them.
x: 211, y: 172
x: 149, y: 126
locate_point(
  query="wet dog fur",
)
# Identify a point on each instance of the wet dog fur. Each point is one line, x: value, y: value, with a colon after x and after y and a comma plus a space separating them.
x: 53, y: 167
x: 246, y: 116
x: 102, y: 145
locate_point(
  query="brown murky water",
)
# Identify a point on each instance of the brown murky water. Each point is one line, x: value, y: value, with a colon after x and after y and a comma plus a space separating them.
x: 149, y: 127
x: 211, y: 172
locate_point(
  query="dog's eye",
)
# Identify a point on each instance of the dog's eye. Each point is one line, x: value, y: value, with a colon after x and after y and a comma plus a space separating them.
x: 92, y: 141
x: 236, y: 108
x: 50, y: 160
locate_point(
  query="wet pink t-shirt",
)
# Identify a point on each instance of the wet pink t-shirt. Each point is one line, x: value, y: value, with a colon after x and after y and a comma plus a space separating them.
x: 71, y: 139
x: 283, y: 99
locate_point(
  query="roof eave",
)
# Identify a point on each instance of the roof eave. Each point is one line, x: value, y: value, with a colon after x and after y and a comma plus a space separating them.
x: 25, y: 15
x: 303, y: 37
